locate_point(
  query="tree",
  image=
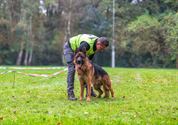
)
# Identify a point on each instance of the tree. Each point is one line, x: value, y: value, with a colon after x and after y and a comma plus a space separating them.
x: 170, y: 25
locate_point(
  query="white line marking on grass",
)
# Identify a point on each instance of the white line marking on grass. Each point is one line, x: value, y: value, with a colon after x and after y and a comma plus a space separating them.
x: 30, y: 68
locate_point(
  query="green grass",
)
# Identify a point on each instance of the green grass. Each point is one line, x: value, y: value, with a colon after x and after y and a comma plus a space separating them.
x: 143, y: 96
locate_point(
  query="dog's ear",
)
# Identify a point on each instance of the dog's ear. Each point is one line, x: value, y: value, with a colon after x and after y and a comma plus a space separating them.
x: 74, y: 61
x: 75, y: 56
x: 83, y: 50
x: 77, y: 51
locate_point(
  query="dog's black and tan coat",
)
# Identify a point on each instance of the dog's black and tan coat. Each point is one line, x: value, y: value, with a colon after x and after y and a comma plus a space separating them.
x: 91, y: 74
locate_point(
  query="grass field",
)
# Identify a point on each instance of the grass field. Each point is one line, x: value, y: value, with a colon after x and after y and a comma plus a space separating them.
x: 143, y: 96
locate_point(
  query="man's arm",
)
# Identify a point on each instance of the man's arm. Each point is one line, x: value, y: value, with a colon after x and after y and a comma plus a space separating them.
x: 91, y: 56
x: 84, y: 46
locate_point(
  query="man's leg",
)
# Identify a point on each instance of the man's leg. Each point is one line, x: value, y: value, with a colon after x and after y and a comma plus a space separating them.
x: 70, y: 81
x: 69, y: 55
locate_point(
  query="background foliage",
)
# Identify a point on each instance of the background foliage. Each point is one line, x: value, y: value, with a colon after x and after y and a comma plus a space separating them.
x: 32, y: 32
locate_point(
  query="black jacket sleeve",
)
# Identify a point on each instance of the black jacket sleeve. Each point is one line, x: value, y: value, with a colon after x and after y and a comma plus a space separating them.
x: 91, y: 56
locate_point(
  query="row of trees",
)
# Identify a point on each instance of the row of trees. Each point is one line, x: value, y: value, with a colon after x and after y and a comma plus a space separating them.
x: 33, y: 32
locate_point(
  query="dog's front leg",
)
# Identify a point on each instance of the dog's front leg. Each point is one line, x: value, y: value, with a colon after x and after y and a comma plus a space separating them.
x: 89, y: 89
x: 81, y: 89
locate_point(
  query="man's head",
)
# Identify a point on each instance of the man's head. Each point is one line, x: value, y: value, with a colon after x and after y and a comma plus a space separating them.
x: 102, y: 43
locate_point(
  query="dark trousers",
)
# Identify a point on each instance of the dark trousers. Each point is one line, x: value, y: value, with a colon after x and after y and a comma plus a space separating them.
x: 69, y: 56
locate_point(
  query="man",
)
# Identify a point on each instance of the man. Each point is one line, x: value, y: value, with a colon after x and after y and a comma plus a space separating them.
x: 91, y: 44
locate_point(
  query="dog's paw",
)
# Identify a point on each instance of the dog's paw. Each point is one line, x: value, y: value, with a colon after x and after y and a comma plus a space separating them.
x: 88, y: 99
x: 81, y: 98
x: 106, y: 97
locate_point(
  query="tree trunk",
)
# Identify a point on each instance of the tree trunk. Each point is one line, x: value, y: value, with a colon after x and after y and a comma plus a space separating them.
x: 177, y: 61
x: 26, y: 57
x: 30, y: 56
x: 31, y: 43
x: 20, y: 55
x: 14, y: 7
x: 68, y: 27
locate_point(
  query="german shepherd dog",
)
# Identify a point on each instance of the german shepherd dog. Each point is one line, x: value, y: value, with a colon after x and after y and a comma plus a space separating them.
x: 90, y: 73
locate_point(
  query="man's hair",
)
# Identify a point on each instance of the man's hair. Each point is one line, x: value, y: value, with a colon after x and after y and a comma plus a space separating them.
x: 104, y: 41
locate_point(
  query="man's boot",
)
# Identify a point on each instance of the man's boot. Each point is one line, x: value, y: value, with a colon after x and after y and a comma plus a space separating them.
x: 71, y: 96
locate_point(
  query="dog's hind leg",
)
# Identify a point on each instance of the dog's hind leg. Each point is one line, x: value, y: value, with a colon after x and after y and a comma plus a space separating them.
x: 108, y: 85
x: 112, y: 92
x: 110, y: 88
x: 100, y: 92
x: 106, y: 91
x: 98, y: 88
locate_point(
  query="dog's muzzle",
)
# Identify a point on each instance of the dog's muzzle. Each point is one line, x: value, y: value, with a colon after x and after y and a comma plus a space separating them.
x: 80, y: 62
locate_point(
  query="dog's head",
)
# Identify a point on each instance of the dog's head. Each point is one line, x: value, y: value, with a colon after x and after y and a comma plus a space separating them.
x: 80, y: 58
